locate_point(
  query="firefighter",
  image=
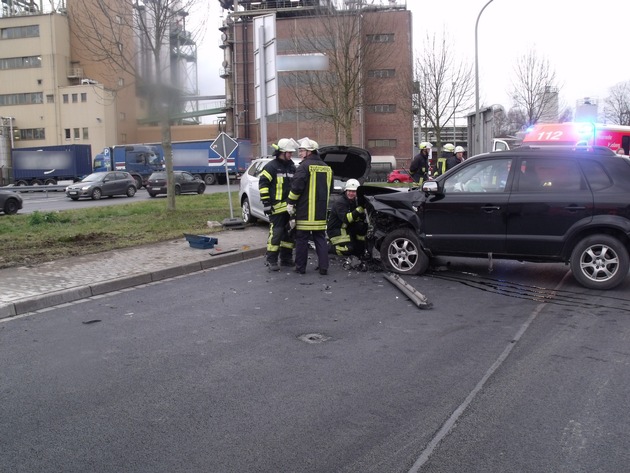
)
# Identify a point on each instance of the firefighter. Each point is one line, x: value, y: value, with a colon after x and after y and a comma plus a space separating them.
x: 346, y: 223
x: 459, y: 154
x: 308, y: 201
x: 419, y: 168
x: 447, y: 152
x: 274, y: 185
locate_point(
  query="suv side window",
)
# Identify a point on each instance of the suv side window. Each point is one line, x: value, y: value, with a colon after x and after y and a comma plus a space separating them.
x: 550, y: 175
x: 596, y: 175
x: 485, y: 176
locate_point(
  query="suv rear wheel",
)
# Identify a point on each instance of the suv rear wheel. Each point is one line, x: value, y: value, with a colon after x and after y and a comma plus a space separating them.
x: 401, y: 253
x: 600, y: 262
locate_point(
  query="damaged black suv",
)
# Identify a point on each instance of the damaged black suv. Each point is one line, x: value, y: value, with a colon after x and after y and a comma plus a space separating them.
x: 528, y: 204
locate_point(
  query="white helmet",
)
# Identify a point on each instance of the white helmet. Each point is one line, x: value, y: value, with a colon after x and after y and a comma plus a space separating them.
x: 448, y: 147
x: 286, y: 145
x: 351, y: 185
x: 460, y: 149
x: 308, y: 144
x: 425, y: 145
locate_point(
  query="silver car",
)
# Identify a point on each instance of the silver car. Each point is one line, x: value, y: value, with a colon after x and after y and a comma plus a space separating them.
x: 347, y: 162
x: 99, y: 184
x: 10, y: 202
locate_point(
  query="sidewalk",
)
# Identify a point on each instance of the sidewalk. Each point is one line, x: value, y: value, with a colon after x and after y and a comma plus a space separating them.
x: 27, y: 289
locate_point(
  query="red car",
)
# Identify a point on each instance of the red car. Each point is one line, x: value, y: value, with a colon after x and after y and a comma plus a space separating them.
x: 399, y: 175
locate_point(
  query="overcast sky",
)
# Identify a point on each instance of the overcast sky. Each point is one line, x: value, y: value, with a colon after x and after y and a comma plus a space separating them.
x: 585, y: 42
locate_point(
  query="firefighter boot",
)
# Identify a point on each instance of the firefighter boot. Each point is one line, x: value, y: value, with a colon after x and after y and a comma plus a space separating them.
x: 286, y: 257
x: 272, y: 261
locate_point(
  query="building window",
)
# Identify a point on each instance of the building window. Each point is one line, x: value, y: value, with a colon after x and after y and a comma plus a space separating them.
x: 83, y: 96
x: 121, y: 82
x: 122, y: 116
x: 75, y: 98
x: 32, y: 134
x: 381, y: 143
x: 383, y: 108
x: 50, y: 98
x: 22, y: 99
x: 381, y: 38
x: 31, y: 31
x: 67, y: 132
x: 123, y: 137
x: 77, y: 135
x: 65, y: 98
x: 20, y: 62
x: 86, y: 135
x: 381, y: 73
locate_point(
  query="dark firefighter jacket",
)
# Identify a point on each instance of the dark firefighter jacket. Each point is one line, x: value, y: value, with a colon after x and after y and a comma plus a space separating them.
x: 346, y: 220
x: 310, y: 190
x: 275, y: 183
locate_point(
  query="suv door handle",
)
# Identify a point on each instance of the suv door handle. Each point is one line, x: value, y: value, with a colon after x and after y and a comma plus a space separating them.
x: 490, y: 208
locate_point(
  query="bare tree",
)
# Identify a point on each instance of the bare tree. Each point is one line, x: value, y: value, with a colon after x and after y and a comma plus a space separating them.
x: 443, y: 84
x: 333, y: 97
x: 617, y: 104
x: 532, y: 86
x: 134, y: 37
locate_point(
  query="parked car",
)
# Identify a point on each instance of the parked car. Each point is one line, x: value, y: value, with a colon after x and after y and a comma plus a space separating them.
x: 185, y: 182
x: 528, y: 204
x: 100, y: 184
x: 399, y: 175
x: 10, y: 202
x: 347, y: 162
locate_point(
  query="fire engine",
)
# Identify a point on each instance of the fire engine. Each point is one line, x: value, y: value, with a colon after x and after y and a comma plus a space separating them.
x: 579, y: 134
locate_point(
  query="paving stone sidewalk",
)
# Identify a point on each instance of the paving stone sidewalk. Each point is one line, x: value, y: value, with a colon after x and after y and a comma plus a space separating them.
x: 27, y: 289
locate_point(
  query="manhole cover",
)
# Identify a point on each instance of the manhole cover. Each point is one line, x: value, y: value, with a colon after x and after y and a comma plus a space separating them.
x: 313, y: 338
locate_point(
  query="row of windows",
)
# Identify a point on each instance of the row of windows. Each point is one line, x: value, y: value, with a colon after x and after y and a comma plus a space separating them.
x: 382, y: 108
x: 75, y: 97
x: 76, y: 133
x: 382, y: 73
x: 20, y: 62
x: 32, y: 134
x: 381, y: 38
x: 382, y: 143
x: 21, y: 99
x: 31, y: 31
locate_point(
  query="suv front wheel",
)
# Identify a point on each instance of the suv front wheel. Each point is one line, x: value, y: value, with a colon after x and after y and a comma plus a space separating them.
x: 600, y: 262
x: 401, y: 253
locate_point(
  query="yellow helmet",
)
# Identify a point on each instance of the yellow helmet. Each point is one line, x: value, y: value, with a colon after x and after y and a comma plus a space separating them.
x: 425, y: 145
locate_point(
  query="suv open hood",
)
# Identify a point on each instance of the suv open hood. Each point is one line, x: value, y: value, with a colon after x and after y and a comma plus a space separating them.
x: 347, y: 162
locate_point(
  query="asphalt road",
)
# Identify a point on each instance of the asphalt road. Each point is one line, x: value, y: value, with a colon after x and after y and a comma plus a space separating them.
x: 237, y: 369
x: 55, y: 201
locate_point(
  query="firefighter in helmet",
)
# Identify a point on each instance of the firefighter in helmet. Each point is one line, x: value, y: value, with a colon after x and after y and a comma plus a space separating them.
x: 346, y: 223
x: 419, y: 168
x: 443, y: 161
x: 274, y: 185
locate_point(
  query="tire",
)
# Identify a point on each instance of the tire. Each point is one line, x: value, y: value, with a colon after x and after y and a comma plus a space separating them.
x: 246, y: 211
x: 201, y: 189
x: 396, y: 181
x: 197, y: 176
x: 21, y: 183
x: 178, y: 190
x: 138, y: 180
x: 37, y: 182
x: 152, y: 194
x: 131, y: 191
x: 50, y: 182
x: 97, y: 194
x: 11, y: 206
x: 600, y: 262
x: 210, y: 179
x: 402, y: 254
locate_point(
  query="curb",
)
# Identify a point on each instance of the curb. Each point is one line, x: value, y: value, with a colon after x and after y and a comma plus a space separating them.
x: 65, y: 296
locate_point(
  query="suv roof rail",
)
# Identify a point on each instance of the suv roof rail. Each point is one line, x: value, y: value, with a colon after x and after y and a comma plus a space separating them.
x: 596, y: 148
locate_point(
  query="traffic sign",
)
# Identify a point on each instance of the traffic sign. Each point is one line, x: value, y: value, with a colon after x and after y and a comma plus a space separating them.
x: 224, y: 145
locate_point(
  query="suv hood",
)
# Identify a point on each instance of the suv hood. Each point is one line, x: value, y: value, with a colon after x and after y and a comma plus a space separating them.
x: 347, y: 162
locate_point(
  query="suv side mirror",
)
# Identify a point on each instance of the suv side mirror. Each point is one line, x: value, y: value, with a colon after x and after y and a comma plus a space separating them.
x: 430, y: 187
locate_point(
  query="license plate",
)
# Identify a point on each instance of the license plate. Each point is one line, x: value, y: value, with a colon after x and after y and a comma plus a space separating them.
x: 73, y: 192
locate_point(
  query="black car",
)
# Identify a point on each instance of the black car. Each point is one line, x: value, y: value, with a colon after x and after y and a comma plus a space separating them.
x: 101, y: 184
x: 528, y: 204
x: 10, y: 202
x: 184, y: 182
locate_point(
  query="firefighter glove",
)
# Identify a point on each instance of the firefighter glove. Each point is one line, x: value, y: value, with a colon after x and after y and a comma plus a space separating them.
x: 291, y: 209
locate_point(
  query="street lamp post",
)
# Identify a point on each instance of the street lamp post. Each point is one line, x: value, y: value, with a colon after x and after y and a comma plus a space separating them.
x: 477, y: 115
x: 454, y: 122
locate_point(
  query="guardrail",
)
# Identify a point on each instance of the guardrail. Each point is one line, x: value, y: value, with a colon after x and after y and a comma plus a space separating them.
x: 56, y: 188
